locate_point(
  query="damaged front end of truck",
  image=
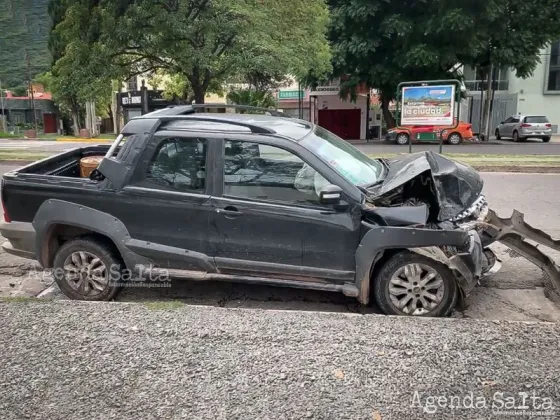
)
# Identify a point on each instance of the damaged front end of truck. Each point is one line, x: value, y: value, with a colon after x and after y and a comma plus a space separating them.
x: 429, y: 192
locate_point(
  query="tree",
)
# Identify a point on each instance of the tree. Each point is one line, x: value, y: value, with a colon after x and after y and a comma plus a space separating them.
x: 81, y: 71
x: 252, y: 98
x: 512, y: 35
x: 385, y: 42
x: 204, y: 41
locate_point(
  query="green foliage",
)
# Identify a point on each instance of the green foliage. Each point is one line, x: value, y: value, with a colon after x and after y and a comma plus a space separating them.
x: 252, y: 98
x: 24, y: 26
x: 384, y: 42
x: 206, y: 42
x: 20, y: 90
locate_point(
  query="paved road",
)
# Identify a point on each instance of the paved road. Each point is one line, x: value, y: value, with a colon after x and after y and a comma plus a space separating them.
x: 107, y: 361
x: 510, y: 148
x: 530, y: 147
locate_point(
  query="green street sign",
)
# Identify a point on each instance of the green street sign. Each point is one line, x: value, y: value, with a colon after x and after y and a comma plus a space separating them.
x: 291, y: 94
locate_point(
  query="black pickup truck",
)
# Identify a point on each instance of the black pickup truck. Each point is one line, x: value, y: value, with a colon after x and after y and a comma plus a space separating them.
x: 264, y: 199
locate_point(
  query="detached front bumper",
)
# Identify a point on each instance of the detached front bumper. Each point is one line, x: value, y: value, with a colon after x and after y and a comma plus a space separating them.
x: 514, y: 232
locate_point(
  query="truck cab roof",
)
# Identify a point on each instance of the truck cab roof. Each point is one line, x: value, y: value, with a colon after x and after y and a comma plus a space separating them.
x: 195, y: 118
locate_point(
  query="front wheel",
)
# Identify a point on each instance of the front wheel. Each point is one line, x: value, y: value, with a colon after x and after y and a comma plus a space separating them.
x: 402, y: 139
x: 411, y: 284
x: 498, y: 137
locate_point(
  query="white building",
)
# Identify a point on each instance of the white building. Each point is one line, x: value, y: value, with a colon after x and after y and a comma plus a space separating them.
x: 540, y: 94
x: 536, y: 95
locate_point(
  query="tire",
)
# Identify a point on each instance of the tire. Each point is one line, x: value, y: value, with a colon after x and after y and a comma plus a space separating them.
x: 546, y: 139
x: 516, y: 137
x: 498, y: 137
x: 454, y: 138
x: 79, y: 256
x: 402, y: 139
x: 444, y: 286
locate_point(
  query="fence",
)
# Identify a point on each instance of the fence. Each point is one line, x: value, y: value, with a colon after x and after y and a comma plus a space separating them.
x: 504, y: 106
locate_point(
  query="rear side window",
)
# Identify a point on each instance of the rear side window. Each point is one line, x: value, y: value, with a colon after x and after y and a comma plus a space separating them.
x: 536, y: 120
x: 180, y: 164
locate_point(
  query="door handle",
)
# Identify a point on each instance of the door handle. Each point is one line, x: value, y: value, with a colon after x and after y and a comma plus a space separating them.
x: 229, y: 211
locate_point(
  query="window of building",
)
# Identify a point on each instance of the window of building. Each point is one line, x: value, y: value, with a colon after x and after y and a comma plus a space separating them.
x: 263, y: 172
x: 554, y: 67
x: 132, y: 84
x: 179, y: 164
x: 475, y: 79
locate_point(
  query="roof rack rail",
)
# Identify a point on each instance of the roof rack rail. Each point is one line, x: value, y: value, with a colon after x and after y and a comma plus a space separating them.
x: 272, y: 112
x: 254, y: 128
x: 191, y: 109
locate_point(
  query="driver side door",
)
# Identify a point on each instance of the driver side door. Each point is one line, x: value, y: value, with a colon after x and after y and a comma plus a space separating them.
x: 267, y: 218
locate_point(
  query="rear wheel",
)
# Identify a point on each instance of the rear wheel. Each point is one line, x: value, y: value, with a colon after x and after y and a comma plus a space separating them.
x: 87, y: 269
x: 411, y: 284
x: 402, y: 139
x: 515, y: 136
x: 546, y: 139
x: 454, y: 138
x: 498, y: 137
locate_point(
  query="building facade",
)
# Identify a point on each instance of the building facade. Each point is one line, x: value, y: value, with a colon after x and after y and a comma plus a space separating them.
x: 18, y: 110
x: 538, y: 94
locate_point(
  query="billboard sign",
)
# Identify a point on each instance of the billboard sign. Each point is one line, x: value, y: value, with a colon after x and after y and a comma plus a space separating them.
x: 428, y: 105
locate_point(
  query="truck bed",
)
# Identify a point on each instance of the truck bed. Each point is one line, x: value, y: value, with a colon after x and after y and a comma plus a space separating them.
x: 66, y: 164
x: 25, y: 189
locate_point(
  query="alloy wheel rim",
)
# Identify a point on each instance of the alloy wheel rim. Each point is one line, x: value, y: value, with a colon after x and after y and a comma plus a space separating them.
x: 401, y: 139
x: 86, y: 273
x: 454, y: 139
x: 416, y: 289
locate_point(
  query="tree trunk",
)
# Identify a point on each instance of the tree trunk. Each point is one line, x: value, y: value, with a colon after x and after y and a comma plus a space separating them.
x: 199, y: 93
x: 75, y: 122
x: 387, y: 116
x: 485, y: 127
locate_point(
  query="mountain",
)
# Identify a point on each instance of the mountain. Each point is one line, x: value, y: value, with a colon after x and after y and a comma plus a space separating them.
x: 25, y: 26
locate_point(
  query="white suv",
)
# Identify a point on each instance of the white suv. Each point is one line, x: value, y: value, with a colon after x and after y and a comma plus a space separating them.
x: 520, y: 127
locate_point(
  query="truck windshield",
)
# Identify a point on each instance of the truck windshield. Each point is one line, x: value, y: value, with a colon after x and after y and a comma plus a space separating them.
x: 349, y: 162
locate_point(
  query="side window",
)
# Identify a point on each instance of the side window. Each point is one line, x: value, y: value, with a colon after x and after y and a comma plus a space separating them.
x: 262, y: 172
x: 515, y: 120
x: 180, y: 164
x: 509, y: 120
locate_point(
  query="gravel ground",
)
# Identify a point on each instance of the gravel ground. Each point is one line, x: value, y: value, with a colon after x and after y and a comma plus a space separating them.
x: 72, y: 360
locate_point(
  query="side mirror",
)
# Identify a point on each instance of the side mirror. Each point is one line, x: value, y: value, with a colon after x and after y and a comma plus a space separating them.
x: 330, y: 195
x: 502, y: 122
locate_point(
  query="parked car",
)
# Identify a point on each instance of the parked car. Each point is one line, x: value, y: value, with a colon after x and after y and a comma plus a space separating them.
x: 400, y: 135
x: 522, y: 127
x: 261, y: 199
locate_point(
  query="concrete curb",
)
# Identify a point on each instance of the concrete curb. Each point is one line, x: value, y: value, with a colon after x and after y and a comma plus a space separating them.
x: 49, y: 293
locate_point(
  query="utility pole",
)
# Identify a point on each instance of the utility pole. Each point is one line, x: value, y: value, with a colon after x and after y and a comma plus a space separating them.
x: 31, y: 90
x: 4, y: 125
x: 488, y: 102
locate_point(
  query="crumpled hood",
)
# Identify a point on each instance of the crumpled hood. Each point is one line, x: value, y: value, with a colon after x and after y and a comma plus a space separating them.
x: 457, y: 185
